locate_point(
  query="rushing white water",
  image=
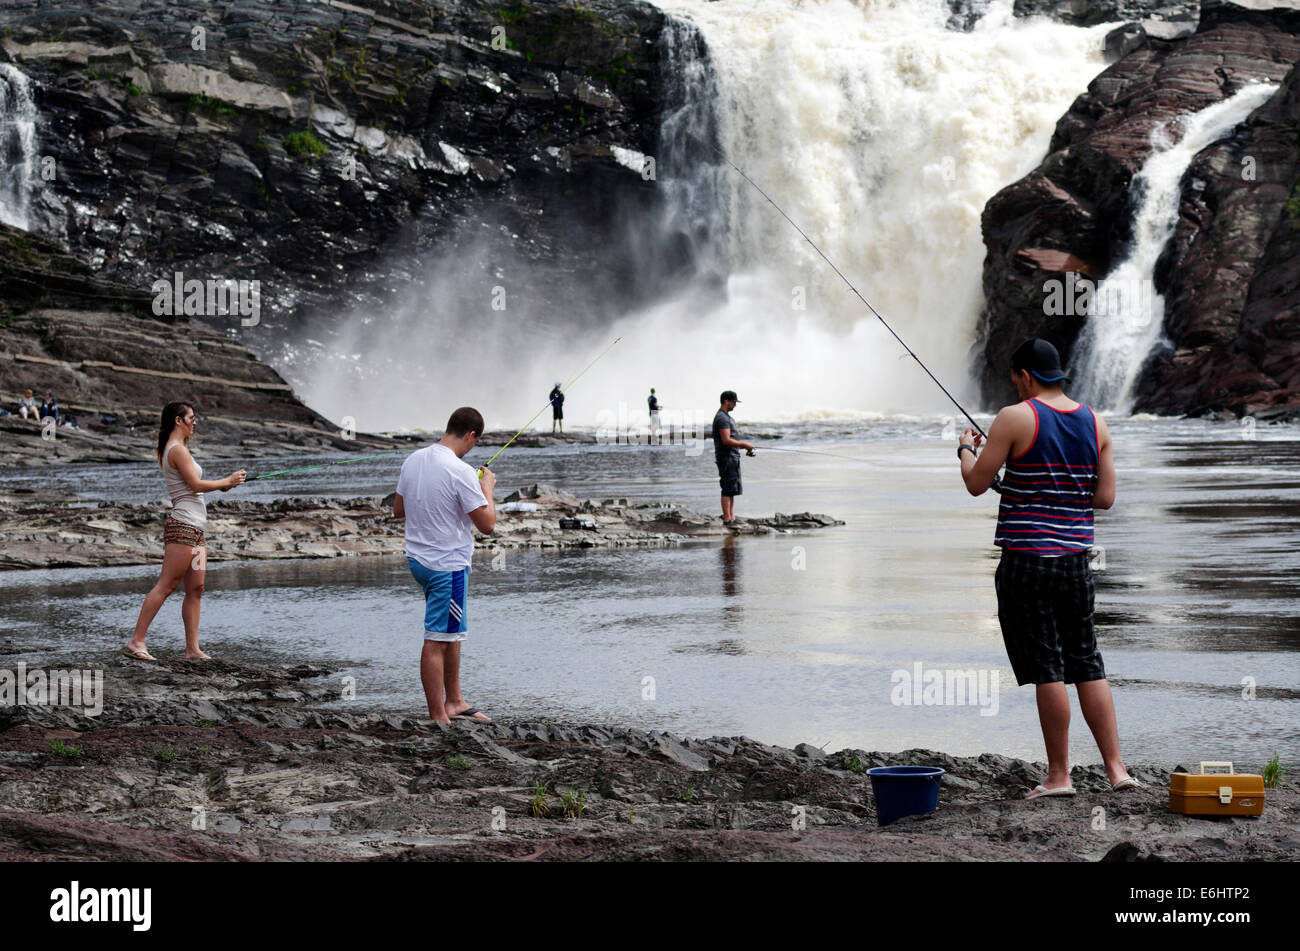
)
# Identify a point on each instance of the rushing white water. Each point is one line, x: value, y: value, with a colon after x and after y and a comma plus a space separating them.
x: 17, y: 145
x: 878, y: 130
x: 1125, y: 314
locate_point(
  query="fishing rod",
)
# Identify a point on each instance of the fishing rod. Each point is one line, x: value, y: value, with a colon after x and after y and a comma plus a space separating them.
x: 563, y: 389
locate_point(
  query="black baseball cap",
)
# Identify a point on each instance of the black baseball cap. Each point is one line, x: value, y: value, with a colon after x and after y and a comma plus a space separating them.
x: 1041, y: 359
x: 728, y: 395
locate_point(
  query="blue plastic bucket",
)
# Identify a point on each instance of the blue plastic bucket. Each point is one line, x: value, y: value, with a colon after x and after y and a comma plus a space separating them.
x: 904, y: 791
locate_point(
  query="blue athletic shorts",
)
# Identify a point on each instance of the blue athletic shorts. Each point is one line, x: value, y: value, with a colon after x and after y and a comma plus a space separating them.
x: 445, y: 612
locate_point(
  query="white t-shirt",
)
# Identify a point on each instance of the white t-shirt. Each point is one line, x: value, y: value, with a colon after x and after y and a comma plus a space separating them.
x: 439, y: 491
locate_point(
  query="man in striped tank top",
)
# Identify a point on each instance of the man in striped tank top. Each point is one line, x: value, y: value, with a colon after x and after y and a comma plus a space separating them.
x: 1059, y: 469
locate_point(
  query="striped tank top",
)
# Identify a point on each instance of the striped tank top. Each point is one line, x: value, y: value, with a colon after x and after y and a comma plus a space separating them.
x: 1047, y: 490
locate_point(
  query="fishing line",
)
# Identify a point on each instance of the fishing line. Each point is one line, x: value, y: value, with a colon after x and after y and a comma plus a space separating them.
x: 997, y: 482
x: 563, y: 389
x: 323, y: 465
x: 814, y: 452
x: 856, y: 292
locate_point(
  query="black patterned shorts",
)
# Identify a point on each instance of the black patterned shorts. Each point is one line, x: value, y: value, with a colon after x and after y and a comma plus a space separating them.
x: 176, y: 532
x: 1045, y: 607
x: 729, y: 475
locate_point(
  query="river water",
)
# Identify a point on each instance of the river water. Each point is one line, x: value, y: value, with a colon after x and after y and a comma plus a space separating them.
x: 786, y: 638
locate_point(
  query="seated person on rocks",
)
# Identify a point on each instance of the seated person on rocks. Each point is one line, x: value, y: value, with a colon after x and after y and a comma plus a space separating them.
x: 50, y: 408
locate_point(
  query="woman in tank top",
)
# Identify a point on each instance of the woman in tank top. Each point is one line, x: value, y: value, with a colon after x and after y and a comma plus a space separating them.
x: 184, y: 549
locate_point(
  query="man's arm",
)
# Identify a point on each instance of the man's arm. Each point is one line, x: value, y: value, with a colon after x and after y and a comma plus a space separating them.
x: 485, y: 516
x: 724, y: 436
x: 979, y: 473
x: 1104, y: 497
x: 399, y: 508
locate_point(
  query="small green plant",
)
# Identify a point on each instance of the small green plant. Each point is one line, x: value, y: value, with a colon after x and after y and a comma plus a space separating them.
x: 853, y: 764
x: 629, y: 815
x: 213, y: 107
x: 575, y: 806
x: 514, y: 14
x: 203, y: 751
x: 205, y: 723
x: 304, y: 143
x: 457, y: 762
x: 164, y: 755
x: 1293, y: 206
x: 538, y: 808
x: 1273, y: 773
x: 133, y: 90
x: 689, y: 794
x: 59, y: 748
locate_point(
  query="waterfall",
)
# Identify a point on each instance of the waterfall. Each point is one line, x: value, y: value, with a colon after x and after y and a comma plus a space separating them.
x: 17, y: 145
x: 882, y: 133
x: 688, y: 170
x: 876, y: 126
x: 1125, y: 314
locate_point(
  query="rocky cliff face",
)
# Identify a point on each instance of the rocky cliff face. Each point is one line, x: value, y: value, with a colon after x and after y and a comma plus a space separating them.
x: 112, y: 366
x: 324, y: 147
x: 1228, y: 277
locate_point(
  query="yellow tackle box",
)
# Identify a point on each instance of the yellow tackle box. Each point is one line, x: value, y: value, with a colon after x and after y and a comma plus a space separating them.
x: 1216, y: 794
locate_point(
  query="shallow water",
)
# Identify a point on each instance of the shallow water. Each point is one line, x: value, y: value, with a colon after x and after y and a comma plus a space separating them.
x: 787, y: 638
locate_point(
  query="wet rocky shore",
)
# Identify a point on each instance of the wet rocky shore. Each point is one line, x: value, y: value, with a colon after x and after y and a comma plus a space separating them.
x: 41, y: 530
x: 223, y: 760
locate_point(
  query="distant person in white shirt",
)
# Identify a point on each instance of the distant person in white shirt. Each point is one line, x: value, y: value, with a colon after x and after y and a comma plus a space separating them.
x: 441, y: 498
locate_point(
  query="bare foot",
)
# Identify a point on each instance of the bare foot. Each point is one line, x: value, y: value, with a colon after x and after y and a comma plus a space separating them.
x: 199, y: 656
x: 466, y: 711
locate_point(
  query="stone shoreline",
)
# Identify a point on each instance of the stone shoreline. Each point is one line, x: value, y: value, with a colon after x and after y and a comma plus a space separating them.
x: 41, y: 530
x: 224, y: 761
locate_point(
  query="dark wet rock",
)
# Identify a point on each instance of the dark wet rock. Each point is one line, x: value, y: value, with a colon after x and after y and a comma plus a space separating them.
x: 1233, y: 301
x: 1093, y: 12
x: 537, y: 440
x: 1233, y: 287
x: 327, y: 149
x: 112, y: 366
x: 1128, y: 852
x: 1133, y: 36
x: 539, y: 491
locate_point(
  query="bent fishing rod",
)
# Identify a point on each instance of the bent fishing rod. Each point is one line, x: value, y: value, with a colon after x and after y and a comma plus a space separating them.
x: 563, y: 389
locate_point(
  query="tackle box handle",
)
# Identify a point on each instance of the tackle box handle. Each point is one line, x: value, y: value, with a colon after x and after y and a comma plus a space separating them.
x: 1218, y: 764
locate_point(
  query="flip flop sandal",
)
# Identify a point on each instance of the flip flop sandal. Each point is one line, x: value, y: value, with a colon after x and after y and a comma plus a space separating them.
x: 469, y: 715
x: 139, y: 655
x: 1128, y: 782
x: 1042, y: 792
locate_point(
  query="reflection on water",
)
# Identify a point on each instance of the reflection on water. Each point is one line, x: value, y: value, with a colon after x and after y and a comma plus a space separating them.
x: 788, y: 638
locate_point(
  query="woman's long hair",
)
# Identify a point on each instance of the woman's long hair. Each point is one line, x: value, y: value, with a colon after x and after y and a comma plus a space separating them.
x: 168, y: 423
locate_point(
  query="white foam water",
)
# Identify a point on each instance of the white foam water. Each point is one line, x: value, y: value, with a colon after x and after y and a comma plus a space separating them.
x: 1125, y: 314
x: 18, y: 157
x: 877, y: 129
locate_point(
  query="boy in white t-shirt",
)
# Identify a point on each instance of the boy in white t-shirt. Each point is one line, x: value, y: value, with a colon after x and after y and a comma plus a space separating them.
x: 442, y: 498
